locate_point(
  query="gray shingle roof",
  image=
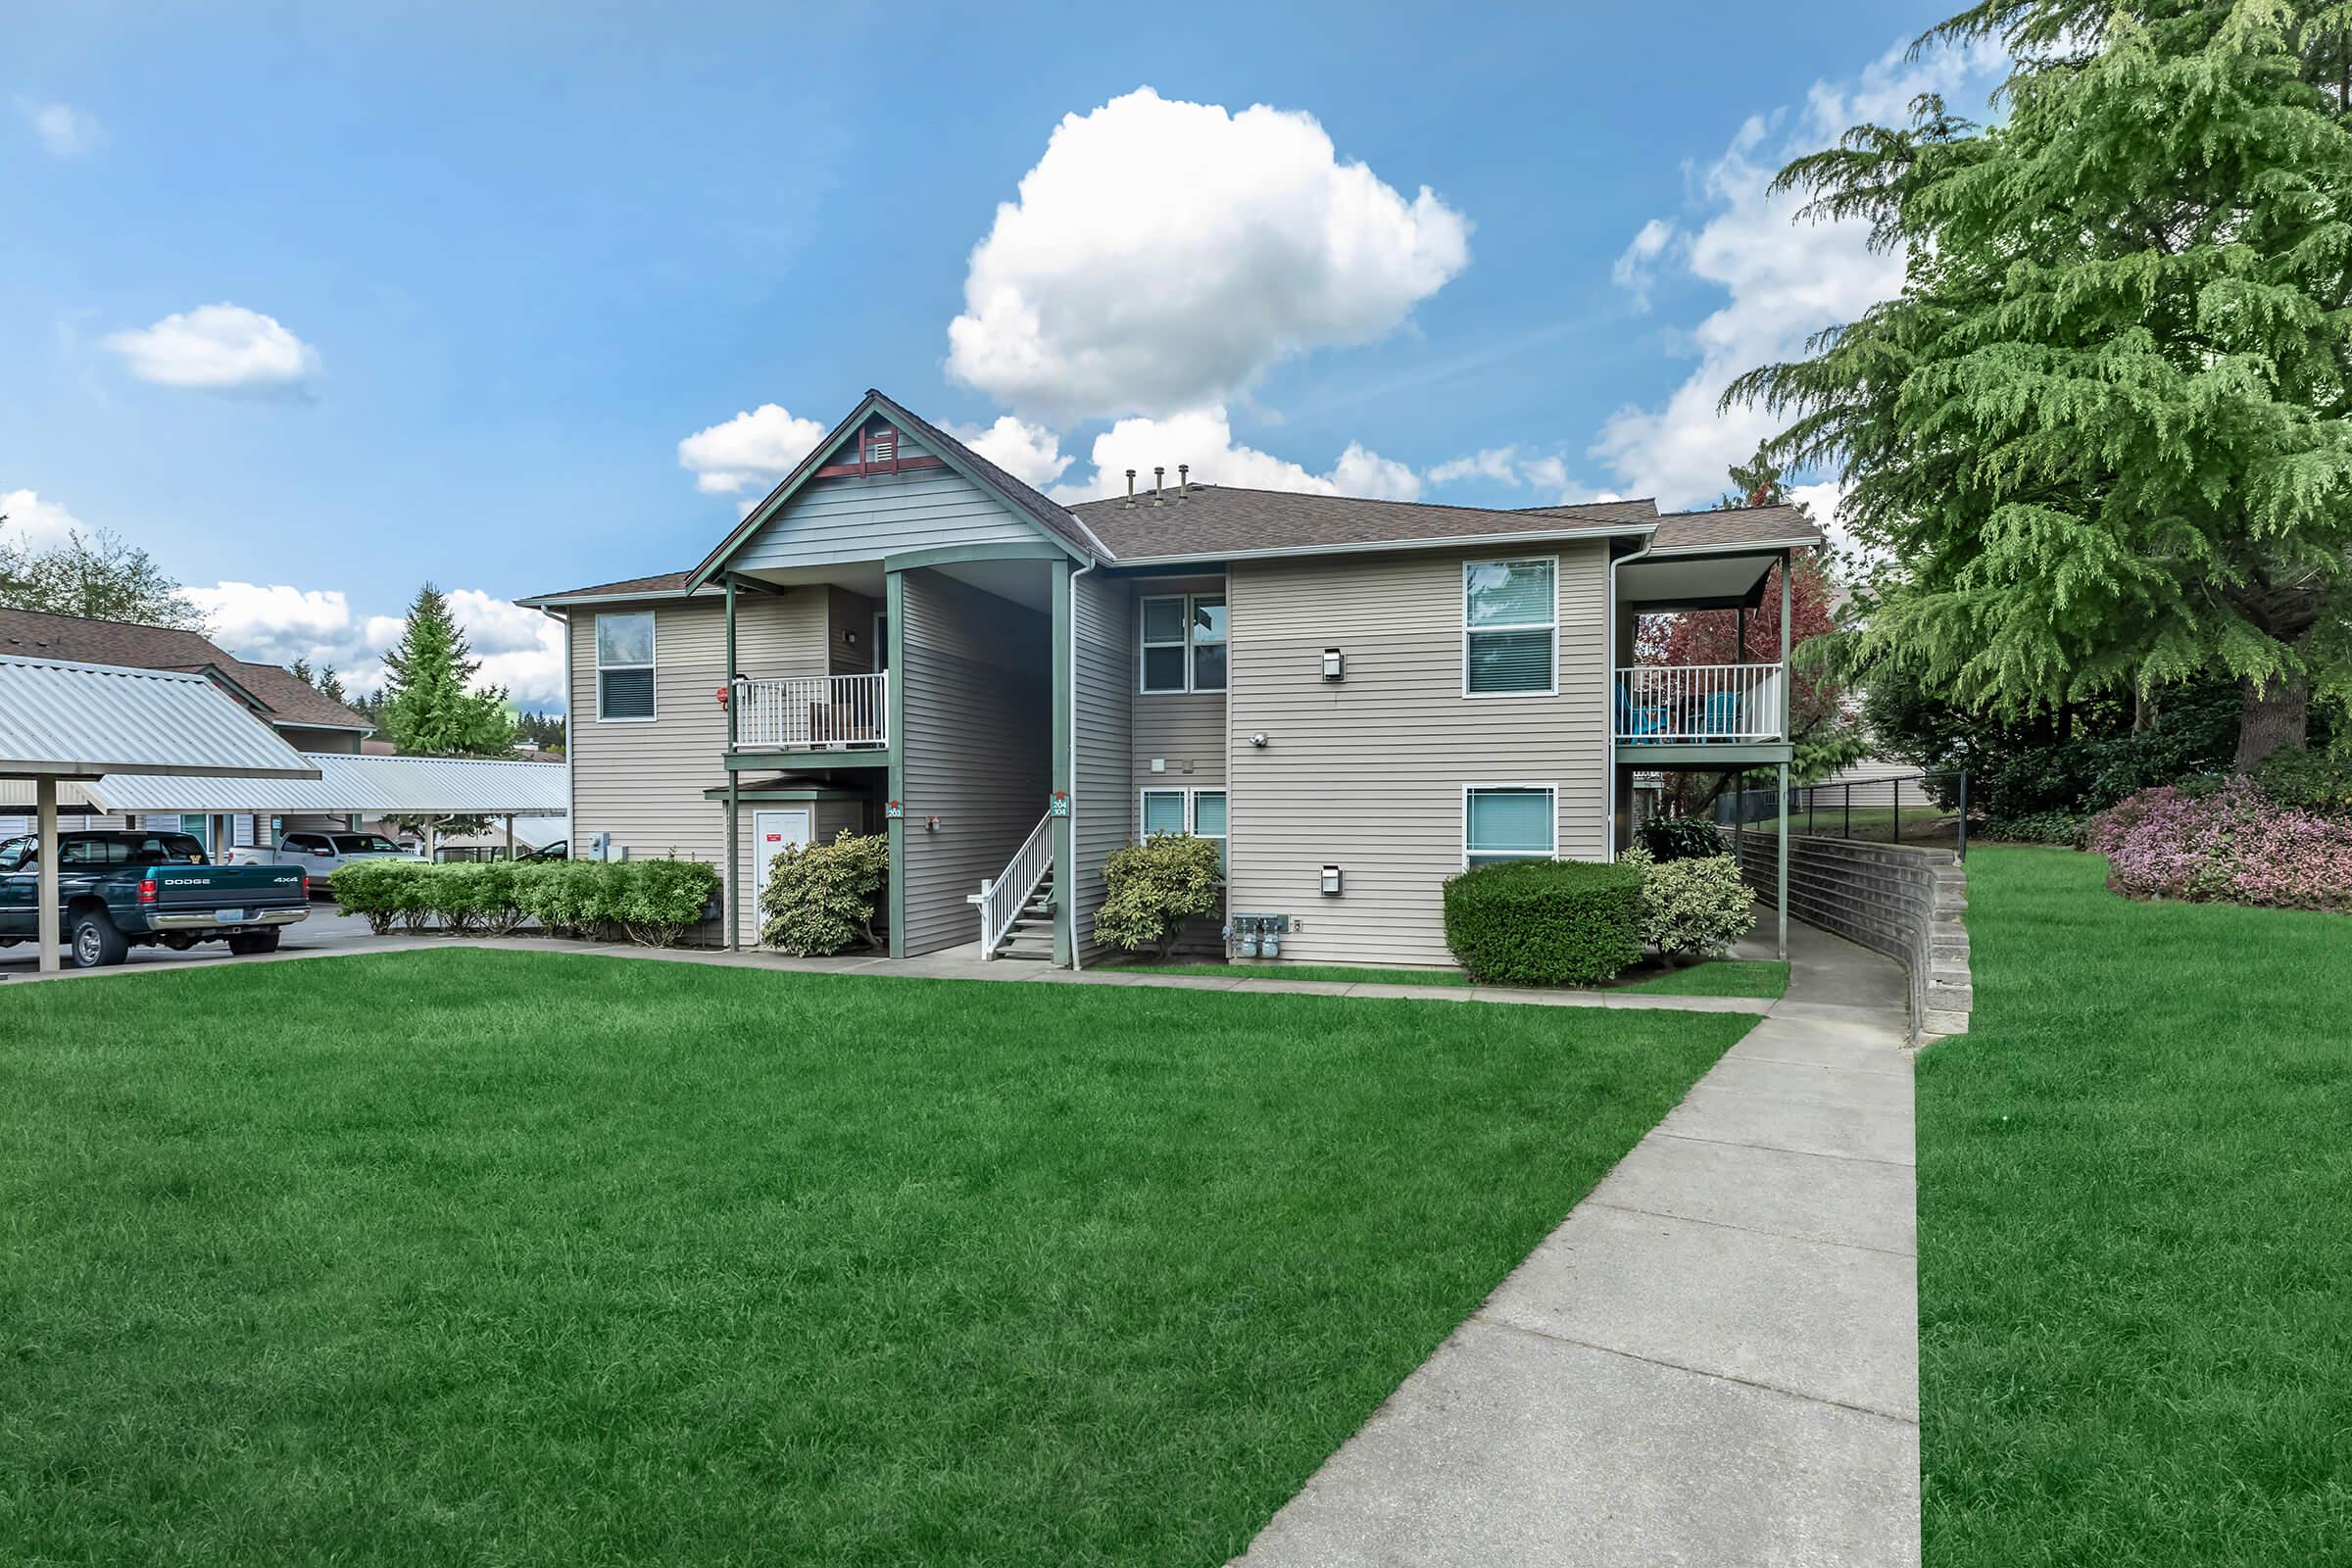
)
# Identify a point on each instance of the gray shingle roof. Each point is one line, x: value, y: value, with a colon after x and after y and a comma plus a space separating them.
x: 287, y: 699
x: 667, y: 583
x: 1208, y: 520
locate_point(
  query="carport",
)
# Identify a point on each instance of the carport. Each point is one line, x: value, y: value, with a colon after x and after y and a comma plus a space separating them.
x: 88, y: 722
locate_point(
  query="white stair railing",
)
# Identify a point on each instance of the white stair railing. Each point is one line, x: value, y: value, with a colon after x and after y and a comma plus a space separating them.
x: 1002, y: 899
x: 813, y: 713
x: 1684, y: 703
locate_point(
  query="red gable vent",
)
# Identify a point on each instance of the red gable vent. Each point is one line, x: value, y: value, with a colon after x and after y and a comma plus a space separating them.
x: 877, y: 453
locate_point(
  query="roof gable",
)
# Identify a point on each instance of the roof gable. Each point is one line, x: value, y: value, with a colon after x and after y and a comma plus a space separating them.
x: 880, y: 437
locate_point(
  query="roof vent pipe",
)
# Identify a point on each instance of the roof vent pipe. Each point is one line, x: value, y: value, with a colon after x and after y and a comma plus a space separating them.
x: 1160, y: 484
x: 1183, y: 479
x: 1131, y: 487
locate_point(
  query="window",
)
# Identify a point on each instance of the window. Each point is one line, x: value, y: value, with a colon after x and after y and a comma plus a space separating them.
x: 365, y: 843
x: 624, y: 666
x: 1163, y: 644
x: 1184, y: 643
x: 1509, y: 627
x: 1508, y: 823
x: 1208, y: 819
x: 1163, y: 811
x: 1208, y: 642
x: 1198, y: 812
x: 14, y: 854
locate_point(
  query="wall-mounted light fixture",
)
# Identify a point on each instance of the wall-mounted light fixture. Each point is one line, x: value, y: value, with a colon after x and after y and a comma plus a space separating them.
x: 930, y: 824
x: 1331, y: 881
x: 1335, y: 665
x: 1261, y: 740
x: 850, y: 637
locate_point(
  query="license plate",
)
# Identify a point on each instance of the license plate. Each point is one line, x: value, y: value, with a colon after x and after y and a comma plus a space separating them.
x: 229, y: 917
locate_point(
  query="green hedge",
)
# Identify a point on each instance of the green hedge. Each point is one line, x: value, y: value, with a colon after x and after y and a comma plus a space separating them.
x: 648, y: 902
x: 1546, y: 922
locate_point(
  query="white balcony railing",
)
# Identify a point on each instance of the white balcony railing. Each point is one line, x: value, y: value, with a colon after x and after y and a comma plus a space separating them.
x: 1683, y: 704
x: 811, y: 714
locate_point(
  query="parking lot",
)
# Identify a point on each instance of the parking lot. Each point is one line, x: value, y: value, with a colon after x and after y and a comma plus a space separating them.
x: 322, y: 931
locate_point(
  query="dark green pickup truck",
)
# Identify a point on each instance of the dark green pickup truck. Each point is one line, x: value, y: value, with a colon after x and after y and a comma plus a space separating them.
x: 121, y: 888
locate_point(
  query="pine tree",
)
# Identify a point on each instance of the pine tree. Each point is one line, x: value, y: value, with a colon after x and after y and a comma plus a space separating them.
x: 2104, y: 437
x: 330, y: 685
x: 301, y: 669
x: 427, y: 705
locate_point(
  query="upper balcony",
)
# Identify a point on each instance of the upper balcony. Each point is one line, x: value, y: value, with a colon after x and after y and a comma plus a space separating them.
x: 1718, y: 708
x: 813, y: 713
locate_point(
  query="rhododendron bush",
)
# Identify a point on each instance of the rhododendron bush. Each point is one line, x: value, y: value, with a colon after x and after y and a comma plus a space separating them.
x: 2230, y: 845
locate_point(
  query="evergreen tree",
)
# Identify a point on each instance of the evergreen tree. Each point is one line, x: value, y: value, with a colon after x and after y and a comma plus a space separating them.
x: 427, y: 705
x: 301, y: 670
x: 331, y: 686
x: 2102, y: 440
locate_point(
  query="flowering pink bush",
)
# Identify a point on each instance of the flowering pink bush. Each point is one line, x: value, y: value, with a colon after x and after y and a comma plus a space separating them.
x: 2230, y: 846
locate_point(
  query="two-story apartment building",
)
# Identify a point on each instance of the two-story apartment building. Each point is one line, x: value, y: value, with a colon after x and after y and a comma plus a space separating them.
x: 1358, y: 698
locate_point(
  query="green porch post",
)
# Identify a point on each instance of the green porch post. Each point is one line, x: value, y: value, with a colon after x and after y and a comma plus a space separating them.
x: 1787, y: 679
x: 894, y: 609
x: 1065, y: 838
x: 734, y: 797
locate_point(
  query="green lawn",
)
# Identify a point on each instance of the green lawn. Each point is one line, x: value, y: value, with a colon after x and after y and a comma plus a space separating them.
x: 497, y: 1257
x: 1721, y: 977
x: 2136, y: 1231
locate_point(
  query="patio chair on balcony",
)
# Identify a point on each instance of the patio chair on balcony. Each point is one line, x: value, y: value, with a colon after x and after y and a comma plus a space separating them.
x: 1721, y: 720
x: 1641, y: 726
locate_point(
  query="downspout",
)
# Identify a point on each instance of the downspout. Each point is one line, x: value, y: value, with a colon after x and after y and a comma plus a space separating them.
x: 1068, y: 880
x: 734, y: 881
x: 1608, y: 710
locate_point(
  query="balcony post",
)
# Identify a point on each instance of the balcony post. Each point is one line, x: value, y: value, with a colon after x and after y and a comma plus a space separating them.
x: 1786, y: 739
x: 734, y: 793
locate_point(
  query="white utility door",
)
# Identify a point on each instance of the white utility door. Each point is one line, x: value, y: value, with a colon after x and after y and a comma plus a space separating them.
x: 772, y: 832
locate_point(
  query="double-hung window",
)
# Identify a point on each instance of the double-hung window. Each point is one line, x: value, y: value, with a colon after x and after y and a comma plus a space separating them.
x: 1508, y: 822
x: 1183, y: 642
x: 624, y: 666
x: 1511, y: 625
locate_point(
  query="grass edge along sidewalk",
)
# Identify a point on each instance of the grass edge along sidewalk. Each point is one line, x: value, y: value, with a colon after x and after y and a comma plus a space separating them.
x: 2136, y: 1262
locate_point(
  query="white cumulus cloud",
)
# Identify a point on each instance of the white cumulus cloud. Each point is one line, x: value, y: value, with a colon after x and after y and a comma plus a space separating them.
x: 1501, y: 463
x: 1030, y: 452
x: 1785, y: 279
x: 1202, y: 438
x: 759, y: 446
x: 1163, y: 254
x: 278, y: 623
x: 62, y: 129
x: 216, y: 348
x: 27, y: 522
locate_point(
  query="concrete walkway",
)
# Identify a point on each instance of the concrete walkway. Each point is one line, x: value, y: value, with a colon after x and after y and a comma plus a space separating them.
x: 1713, y: 1360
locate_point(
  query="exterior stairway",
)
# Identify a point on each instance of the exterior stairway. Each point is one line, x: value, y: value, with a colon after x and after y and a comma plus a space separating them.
x: 1031, y: 936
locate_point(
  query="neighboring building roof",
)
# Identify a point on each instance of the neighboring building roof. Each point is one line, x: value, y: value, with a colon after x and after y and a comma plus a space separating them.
x: 284, y: 697
x: 341, y: 782
x: 62, y: 719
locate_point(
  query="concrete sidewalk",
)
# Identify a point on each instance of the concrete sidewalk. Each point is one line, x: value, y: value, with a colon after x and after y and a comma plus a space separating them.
x: 1713, y: 1360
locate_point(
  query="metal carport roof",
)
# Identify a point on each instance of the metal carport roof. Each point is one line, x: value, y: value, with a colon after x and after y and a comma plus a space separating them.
x: 70, y: 720
x: 344, y: 783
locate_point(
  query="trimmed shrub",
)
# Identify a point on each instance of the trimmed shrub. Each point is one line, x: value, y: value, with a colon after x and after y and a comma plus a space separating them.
x: 1683, y: 838
x: 2038, y: 827
x: 1154, y: 887
x: 2310, y: 781
x: 823, y: 897
x: 1544, y: 922
x: 2230, y: 844
x: 651, y: 901
x: 1693, y: 908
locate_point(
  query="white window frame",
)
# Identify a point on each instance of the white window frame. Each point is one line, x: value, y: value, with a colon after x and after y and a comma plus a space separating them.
x: 1552, y: 817
x: 1184, y: 809
x: 1142, y: 642
x: 1553, y: 625
x: 596, y: 647
x: 1190, y: 794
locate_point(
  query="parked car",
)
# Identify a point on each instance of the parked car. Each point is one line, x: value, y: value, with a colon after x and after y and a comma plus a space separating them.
x: 560, y: 849
x: 319, y: 854
x: 125, y: 889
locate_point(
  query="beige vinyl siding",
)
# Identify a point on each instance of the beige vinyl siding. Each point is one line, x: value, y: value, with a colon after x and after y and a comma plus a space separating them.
x: 643, y: 781
x: 976, y: 747
x: 833, y: 520
x: 1185, y: 730
x: 851, y: 614
x: 1103, y: 790
x: 1368, y: 773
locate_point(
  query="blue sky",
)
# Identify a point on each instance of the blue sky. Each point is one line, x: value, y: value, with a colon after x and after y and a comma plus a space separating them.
x: 315, y: 304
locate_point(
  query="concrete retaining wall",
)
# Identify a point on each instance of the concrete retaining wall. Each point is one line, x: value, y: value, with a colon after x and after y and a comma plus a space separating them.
x: 1905, y: 903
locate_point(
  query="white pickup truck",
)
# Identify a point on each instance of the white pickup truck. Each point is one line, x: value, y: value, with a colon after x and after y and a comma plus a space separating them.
x: 320, y: 853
